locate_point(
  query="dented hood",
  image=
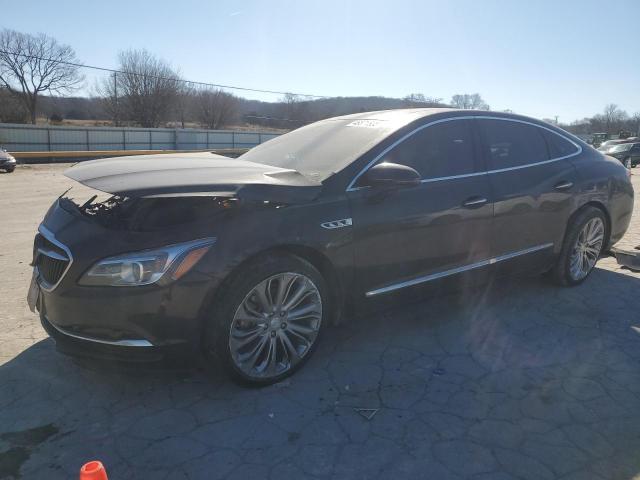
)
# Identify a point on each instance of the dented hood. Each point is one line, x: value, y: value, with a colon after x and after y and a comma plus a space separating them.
x: 194, y: 174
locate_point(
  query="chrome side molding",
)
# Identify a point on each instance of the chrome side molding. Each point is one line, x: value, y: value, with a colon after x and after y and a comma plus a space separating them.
x: 454, y: 271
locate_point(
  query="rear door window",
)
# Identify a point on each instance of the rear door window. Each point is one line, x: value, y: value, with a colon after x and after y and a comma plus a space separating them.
x: 511, y: 144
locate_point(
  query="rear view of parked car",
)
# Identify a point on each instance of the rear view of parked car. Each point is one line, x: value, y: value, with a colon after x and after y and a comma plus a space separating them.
x: 248, y: 260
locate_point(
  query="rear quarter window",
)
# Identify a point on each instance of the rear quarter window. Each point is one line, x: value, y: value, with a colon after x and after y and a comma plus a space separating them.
x: 558, y: 146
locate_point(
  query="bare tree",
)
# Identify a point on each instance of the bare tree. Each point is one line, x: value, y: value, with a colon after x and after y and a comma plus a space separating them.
x: 110, y: 99
x: 11, y: 109
x: 216, y: 108
x: 185, y: 103
x: 296, y: 109
x: 143, y: 91
x: 420, y: 100
x: 468, y: 101
x: 613, y: 118
x: 33, y: 64
x: 635, y: 123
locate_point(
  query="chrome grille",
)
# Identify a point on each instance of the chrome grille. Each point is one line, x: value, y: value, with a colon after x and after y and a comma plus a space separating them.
x: 51, y: 259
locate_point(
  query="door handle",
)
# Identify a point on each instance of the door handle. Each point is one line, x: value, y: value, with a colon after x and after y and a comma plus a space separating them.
x: 474, y: 202
x: 564, y: 185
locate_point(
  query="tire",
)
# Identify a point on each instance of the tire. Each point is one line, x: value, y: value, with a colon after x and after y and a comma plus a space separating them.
x: 238, y: 314
x: 581, y: 233
x: 627, y: 163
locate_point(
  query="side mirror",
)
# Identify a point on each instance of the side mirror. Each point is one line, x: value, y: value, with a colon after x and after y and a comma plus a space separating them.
x: 388, y: 174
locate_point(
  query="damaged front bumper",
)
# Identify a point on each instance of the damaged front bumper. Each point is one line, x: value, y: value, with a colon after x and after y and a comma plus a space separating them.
x: 138, y: 323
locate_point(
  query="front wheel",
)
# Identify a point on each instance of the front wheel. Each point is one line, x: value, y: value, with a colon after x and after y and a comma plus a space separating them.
x: 269, y: 318
x: 627, y: 163
x: 582, y: 246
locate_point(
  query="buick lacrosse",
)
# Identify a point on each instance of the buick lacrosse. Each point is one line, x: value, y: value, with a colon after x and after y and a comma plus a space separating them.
x: 248, y: 260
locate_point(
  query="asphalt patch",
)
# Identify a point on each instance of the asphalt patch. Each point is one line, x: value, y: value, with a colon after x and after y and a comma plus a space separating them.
x: 22, y: 443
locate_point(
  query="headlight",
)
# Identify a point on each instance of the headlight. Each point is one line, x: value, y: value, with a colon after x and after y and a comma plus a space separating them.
x: 162, y: 265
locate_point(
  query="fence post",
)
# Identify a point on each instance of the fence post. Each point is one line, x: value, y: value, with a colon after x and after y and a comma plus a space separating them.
x: 259, y: 138
x: 124, y: 140
x: 175, y: 139
x: 150, y: 141
x: 87, y: 132
x: 48, y: 139
x: 233, y: 139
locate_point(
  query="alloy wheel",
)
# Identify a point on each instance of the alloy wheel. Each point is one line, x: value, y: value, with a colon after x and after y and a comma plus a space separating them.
x: 586, y: 249
x: 275, y: 326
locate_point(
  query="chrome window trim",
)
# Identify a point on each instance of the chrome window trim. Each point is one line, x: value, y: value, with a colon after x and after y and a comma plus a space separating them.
x: 454, y: 271
x: 352, y: 188
x: 117, y: 343
x: 48, y: 234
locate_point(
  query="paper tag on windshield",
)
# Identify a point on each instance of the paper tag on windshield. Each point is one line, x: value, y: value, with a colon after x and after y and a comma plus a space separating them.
x: 366, y: 123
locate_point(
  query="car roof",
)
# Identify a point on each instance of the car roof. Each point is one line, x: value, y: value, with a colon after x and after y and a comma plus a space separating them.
x: 408, y: 115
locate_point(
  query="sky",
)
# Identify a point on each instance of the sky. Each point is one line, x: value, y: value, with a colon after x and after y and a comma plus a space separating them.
x: 539, y: 58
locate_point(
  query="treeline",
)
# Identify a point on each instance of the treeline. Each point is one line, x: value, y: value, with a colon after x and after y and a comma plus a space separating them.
x: 613, y: 120
x: 283, y: 114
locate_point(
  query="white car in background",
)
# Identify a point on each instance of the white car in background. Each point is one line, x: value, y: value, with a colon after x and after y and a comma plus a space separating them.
x: 7, y: 162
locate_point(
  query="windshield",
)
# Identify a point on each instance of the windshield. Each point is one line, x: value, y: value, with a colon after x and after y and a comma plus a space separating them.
x: 326, y: 147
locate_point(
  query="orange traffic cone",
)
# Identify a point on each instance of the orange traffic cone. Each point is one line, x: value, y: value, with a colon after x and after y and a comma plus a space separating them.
x: 93, y: 471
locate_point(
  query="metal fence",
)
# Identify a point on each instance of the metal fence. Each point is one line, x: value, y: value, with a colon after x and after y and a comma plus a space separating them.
x: 36, y: 138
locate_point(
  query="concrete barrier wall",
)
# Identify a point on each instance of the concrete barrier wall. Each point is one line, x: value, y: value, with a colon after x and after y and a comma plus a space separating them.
x: 46, y: 138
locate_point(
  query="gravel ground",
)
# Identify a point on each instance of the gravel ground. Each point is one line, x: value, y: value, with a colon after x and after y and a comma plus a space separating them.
x: 521, y: 380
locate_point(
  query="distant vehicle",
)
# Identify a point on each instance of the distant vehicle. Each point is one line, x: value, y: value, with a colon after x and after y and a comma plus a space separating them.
x: 7, y: 162
x: 627, y: 153
x: 626, y: 134
x: 609, y: 144
x: 246, y: 260
x: 598, y: 138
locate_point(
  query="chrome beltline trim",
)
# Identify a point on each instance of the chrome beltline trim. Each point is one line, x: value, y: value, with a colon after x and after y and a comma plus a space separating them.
x: 118, y: 343
x: 454, y: 271
x: 48, y: 234
x: 351, y: 188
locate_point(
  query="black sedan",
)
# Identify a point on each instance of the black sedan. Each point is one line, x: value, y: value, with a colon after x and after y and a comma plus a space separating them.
x: 627, y: 153
x: 247, y: 260
x: 7, y: 162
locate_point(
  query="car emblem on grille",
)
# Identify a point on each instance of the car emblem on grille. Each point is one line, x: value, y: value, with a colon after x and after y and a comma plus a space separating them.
x: 345, y: 222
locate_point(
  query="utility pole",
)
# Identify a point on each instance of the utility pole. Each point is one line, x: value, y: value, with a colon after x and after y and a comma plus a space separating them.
x: 116, y: 113
x: 556, y: 120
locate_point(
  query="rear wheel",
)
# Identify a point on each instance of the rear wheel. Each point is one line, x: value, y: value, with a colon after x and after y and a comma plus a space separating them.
x: 269, y: 318
x: 582, y: 246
